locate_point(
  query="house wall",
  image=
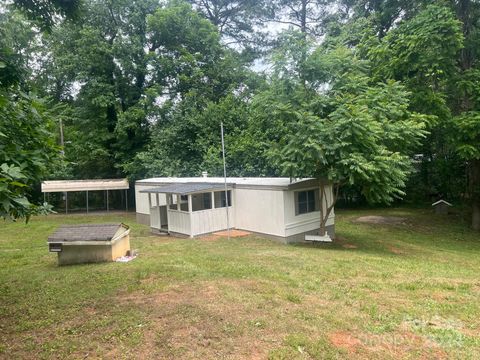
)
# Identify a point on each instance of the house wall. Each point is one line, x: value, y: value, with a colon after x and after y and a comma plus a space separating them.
x: 305, y: 223
x: 259, y: 210
x: 141, y: 201
x: 206, y: 221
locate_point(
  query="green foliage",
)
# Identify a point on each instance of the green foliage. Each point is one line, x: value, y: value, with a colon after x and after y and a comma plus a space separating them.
x: 27, y: 151
x: 45, y: 12
x: 354, y: 145
x: 467, y: 133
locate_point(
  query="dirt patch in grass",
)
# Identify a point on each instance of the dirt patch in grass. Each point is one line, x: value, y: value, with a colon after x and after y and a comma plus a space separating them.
x: 223, y: 234
x: 396, y: 250
x: 343, y: 242
x: 345, y: 341
x: 397, y: 345
x: 383, y: 220
x: 205, y: 320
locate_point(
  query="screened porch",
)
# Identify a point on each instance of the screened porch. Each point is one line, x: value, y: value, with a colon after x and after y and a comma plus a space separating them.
x: 190, y: 208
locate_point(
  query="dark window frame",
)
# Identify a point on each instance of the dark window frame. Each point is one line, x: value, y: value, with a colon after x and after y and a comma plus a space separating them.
x: 306, y: 201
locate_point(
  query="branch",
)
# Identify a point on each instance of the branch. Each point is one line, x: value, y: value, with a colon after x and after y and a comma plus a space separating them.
x: 286, y: 22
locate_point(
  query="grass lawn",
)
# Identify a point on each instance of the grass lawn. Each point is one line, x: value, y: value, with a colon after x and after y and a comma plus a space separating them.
x: 383, y: 291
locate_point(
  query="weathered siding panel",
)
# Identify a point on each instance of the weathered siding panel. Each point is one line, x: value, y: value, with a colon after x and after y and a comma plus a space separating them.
x: 260, y: 211
x: 211, y: 220
x: 179, y: 222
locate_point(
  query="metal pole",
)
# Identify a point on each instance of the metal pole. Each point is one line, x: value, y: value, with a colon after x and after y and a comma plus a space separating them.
x: 66, y: 203
x: 107, y: 201
x: 87, y: 201
x: 44, y: 198
x: 225, y: 180
x: 126, y: 200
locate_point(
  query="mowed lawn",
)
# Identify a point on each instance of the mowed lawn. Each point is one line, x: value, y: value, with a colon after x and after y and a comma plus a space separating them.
x: 410, y: 290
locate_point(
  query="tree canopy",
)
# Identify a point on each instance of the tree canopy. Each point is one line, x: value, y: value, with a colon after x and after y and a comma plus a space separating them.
x: 379, y: 98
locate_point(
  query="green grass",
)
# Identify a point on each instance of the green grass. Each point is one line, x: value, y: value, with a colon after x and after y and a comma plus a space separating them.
x: 381, y: 291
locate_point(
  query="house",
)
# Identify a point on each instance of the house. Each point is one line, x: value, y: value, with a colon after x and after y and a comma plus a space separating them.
x: 279, y: 208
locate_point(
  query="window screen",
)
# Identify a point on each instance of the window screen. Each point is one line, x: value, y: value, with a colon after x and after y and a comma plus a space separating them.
x: 173, y: 201
x: 201, y: 201
x: 220, y: 199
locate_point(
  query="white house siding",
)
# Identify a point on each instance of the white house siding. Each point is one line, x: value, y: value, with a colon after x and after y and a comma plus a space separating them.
x: 179, y: 222
x: 260, y: 210
x: 298, y: 224
x: 141, y: 201
x: 206, y: 221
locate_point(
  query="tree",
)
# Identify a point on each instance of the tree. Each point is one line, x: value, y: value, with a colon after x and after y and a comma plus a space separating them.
x: 444, y: 83
x: 27, y: 145
x: 344, y: 128
x: 240, y: 22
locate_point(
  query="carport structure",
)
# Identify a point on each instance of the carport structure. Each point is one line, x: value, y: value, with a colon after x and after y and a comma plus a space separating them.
x: 66, y: 186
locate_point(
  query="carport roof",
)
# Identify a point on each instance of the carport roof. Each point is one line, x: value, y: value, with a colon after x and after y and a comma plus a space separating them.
x: 186, y: 188
x: 84, y: 185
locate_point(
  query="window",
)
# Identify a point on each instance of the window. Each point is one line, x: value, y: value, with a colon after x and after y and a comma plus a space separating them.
x: 184, y: 202
x: 201, y: 201
x: 173, y: 201
x: 220, y: 199
x: 305, y: 202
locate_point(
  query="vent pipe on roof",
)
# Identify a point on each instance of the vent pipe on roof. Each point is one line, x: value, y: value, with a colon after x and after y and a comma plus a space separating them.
x: 204, y: 174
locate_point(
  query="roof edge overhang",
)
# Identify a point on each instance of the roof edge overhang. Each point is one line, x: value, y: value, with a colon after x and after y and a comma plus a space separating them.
x: 183, y: 188
x: 84, y: 185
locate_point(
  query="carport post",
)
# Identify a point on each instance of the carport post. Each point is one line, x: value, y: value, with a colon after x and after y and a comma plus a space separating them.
x: 66, y: 202
x: 126, y: 200
x: 107, y: 201
x: 87, y: 201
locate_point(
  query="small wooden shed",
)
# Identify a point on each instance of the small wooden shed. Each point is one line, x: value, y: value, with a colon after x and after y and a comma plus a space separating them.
x: 76, y: 244
x: 441, y: 207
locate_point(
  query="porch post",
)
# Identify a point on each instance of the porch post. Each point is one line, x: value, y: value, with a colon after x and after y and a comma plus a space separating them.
x: 159, y: 215
x: 190, y: 210
x: 126, y: 200
x: 87, y: 201
x: 179, y: 198
x: 212, y: 195
x: 168, y: 212
x: 107, y: 201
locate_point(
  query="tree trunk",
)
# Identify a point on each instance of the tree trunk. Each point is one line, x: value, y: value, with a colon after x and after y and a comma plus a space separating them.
x: 475, y: 193
x: 325, y: 213
x: 323, y: 228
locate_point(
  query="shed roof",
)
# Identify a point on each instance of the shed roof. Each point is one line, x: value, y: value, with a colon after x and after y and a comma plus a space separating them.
x: 84, y: 185
x: 86, y: 232
x: 441, y: 202
x: 186, y: 188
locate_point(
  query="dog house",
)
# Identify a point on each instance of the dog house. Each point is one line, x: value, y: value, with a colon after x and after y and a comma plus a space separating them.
x: 76, y: 244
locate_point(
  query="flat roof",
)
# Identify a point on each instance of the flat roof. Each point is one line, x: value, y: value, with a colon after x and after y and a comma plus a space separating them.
x: 186, y: 188
x: 268, y: 182
x: 84, y: 185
